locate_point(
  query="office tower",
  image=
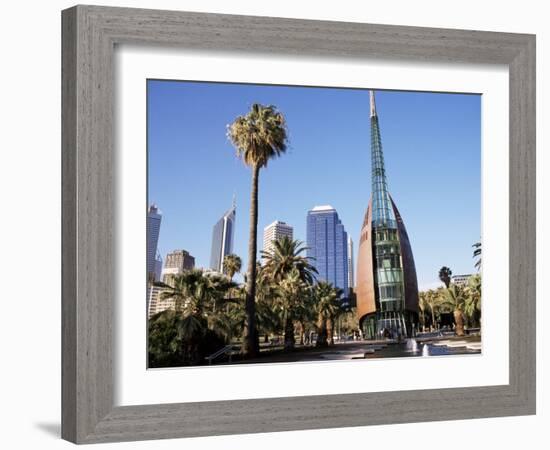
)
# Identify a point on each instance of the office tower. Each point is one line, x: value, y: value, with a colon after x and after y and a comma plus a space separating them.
x: 327, y: 243
x: 461, y: 280
x: 222, y: 239
x: 387, y: 289
x: 154, y: 218
x: 274, y: 232
x: 351, y: 280
x: 176, y: 263
x: 158, y: 267
x: 155, y: 301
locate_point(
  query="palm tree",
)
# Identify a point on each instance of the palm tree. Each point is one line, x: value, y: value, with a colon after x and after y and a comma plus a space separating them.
x: 327, y: 305
x: 285, y: 265
x: 334, y: 318
x: 231, y: 265
x: 433, y: 299
x: 292, y: 290
x: 477, y: 254
x: 422, y: 306
x: 305, y: 313
x: 269, y: 315
x: 445, y: 275
x: 258, y: 136
x: 187, y: 291
x: 472, y: 306
x: 285, y: 256
x: 197, y: 300
x: 428, y: 301
x: 455, y: 298
x: 198, y: 296
x: 348, y: 321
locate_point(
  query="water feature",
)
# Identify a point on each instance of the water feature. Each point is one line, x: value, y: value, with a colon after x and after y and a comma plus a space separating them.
x: 425, y: 350
x: 411, y: 346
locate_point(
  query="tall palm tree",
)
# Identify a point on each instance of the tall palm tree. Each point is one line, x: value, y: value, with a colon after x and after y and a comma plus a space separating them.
x: 258, y: 136
x: 455, y: 298
x: 477, y: 254
x: 445, y: 276
x: 327, y: 299
x: 231, y: 265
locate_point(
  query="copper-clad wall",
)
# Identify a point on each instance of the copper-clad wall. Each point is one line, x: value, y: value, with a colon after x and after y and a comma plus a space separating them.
x: 366, y: 303
x: 409, y: 269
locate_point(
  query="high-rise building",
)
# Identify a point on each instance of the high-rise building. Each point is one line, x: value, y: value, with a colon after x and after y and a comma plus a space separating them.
x: 387, y: 289
x: 176, y: 262
x: 351, y: 279
x: 155, y: 301
x: 154, y: 218
x: 274, y: 232
x: 158, y: 267
x: 461, y: 280
x: 327, y: 243
x: 222, y: 239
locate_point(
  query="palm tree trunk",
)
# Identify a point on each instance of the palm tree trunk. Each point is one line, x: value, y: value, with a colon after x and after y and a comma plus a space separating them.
x: 459, y: 322
x: 330, y: 331
x: 289, y: 333
x: 321, y: 332
x: 250, y: 335
x: 433, y: 318
x: 422, y: 319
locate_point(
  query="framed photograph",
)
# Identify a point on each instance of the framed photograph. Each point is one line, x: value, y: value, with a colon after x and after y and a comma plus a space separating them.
x: 279, y: 224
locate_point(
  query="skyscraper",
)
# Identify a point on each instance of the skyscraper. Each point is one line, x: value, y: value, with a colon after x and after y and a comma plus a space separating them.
x: 387, y: 290
x: 222, y: 238
x: 351, y: 279
x: 154, y: 218
x: 275, y: 231
x: 327, y: 243
x: 176, y: 262
x: 158, y: 267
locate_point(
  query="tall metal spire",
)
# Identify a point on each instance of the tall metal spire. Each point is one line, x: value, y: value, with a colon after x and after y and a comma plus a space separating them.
x: 382, y: 212
x: 372, y: 104
x: 386, y: 245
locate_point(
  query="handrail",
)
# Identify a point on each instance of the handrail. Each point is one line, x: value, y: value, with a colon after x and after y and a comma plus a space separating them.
x: 221, y: 351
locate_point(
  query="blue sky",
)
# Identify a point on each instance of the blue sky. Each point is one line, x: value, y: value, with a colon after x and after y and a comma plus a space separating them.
x: 432, y: 150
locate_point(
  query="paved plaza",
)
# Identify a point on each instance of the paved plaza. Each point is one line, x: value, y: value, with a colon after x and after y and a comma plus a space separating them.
x: 437, y: 346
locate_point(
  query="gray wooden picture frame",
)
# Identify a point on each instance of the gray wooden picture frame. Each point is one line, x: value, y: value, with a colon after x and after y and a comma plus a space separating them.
x: 89, y: 36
